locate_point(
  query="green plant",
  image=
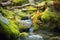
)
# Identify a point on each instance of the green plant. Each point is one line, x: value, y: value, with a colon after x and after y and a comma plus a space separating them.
x: 9, y: 27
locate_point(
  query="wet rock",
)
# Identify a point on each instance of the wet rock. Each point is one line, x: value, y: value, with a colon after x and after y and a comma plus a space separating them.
x: 35, y: 37
x: 26, y: 23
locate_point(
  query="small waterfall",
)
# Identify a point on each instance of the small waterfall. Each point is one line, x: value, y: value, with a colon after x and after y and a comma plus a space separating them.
x: 32, y: 36
x: 31, y: 30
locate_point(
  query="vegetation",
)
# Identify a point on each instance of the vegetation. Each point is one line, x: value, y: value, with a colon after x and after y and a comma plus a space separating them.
x: 44, y: 16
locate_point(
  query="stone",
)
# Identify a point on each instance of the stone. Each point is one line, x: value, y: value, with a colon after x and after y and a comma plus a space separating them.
x: 35, y: 37
x: 26, y: 23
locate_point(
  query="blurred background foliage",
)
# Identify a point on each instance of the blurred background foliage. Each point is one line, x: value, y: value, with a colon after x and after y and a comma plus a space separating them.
x: 42, y: 18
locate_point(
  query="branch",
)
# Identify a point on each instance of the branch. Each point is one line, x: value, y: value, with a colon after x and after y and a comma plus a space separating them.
x: 33, y: 5
x: 45, y: 4
x: 22, y: 6
x: 8, y: 3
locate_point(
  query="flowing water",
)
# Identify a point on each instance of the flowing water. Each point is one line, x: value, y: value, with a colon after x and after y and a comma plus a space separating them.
x: 31, y: 30
x: 31, y: 36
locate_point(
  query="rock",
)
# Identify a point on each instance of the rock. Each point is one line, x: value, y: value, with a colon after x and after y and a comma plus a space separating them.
x: 26, y: 23
x: 35, y: 37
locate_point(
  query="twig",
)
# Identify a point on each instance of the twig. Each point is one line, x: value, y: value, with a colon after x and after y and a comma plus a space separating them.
x: 8, y: 3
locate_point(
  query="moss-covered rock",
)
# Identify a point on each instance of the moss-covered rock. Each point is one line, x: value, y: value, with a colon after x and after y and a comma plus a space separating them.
x: 23, y: 36
x: 47, y: 20
x: 48, y: 15
x: 19, y: 2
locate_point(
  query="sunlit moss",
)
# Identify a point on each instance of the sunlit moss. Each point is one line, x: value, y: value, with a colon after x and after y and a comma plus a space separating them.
x: 23, y: 34
x: 19, y: 2
x: 47, y: 15
x: 22, y: 27
x: 31, y: 8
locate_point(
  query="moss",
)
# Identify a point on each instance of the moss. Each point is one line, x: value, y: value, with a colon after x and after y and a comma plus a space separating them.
x: 47, y: 15
x: 19, y: 2
x: 36, y: 27
x: 22, y: 27
x: 48, y: 20
x: 23, y: 16
x: 23, y: 34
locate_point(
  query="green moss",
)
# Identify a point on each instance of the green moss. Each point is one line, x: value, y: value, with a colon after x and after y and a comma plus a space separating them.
x: 23, y: 34
x: 36, y: 27
x: 23, y: 16
x: 47, y: 20
x: 47, y: 16
x: 19, y: 2
x: 22, y: 27
x: 10, y: 28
